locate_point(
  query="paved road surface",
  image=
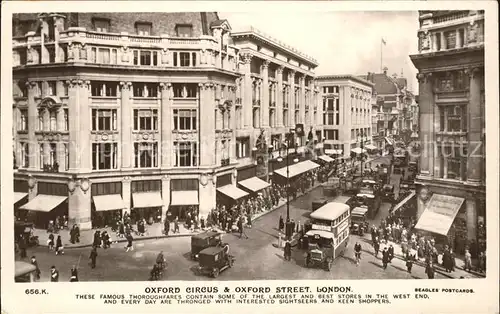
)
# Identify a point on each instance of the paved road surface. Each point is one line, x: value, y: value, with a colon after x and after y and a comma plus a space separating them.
x: 256, y: 257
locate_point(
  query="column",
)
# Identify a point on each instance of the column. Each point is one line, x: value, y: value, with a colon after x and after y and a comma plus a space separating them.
x: 127, y: 145
x: 207, y: 194
x: 474, y: 124
x: 279, y: 97
x: 471, y: 217
x: 79, y: 127
x: 434, y: 42
x: 443, y: 41
x: 79, y: 211
x: 247, y: 91
x: 426, y: 133
x: 126, y: 194
x: 302, y: 100
x: 207, y: 126
x: 32, y: 121
x: 264, y: 105
x: 458, y: 41
x: 165, y: 195
x: 166, y: 125
x: 291, y: 104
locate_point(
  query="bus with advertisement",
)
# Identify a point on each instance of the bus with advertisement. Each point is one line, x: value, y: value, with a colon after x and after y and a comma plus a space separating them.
x: 329, y: 234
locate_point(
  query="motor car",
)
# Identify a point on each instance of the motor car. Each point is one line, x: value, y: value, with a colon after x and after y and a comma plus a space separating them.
x: 201, y: 241
x: 388, y: 192
x: 213, y: 260
x: 359, y: 223
x: 26, y: 230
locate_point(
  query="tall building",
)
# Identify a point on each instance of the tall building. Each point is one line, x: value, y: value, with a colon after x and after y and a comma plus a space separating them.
x: 276, y: 92
x: 145, y: 113
x: 347, y: 112
x: 451, y: 196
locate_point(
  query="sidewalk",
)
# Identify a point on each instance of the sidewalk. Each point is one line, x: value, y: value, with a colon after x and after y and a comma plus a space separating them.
x: 457, y: 273
x: 154, y: 231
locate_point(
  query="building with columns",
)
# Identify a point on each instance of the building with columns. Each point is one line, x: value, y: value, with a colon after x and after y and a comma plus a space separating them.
x: 122, y: 112
x: 276, y: 92
x: 147, y: 113
x: 450, y: 61
x: 347, y: 110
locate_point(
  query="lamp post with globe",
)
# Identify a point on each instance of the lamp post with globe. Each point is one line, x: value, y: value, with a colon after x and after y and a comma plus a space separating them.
x: 287, y: 145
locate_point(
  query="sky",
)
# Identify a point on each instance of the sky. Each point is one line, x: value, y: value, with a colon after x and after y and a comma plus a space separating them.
x: 342, y: 42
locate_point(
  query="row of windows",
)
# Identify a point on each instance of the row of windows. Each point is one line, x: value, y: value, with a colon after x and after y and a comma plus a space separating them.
x: 151, y: 90
x: 103, y: 25
x: 330, y: 89
x: 144, y: 119
x: 47, y: 158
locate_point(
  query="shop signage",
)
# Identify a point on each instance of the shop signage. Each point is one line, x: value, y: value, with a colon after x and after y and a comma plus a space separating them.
x: 322, y: 227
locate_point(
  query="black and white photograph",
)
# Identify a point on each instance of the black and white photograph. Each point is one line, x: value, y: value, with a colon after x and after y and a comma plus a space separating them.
x: 247, y: 145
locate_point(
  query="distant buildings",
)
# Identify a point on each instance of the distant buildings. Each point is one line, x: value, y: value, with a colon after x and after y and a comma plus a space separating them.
x: 451, y: 194
x: 396, y: 108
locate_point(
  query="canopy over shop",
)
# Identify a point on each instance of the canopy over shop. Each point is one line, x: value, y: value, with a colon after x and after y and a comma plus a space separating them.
x: 184, y: 197
x: 254, y: 184
x: 440, y: 214
x: 296, y: 169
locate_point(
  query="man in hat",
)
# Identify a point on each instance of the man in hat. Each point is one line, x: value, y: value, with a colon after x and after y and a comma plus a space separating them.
x: 93, y: 256
x: 288, y: 250
x: 74, y: 274
x: 34, y: 262
x: 385, y: 258
x: 54, y: 274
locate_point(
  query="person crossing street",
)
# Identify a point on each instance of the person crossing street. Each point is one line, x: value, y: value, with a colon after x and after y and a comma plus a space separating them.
x: 357, y: 252
x: 93, y: 256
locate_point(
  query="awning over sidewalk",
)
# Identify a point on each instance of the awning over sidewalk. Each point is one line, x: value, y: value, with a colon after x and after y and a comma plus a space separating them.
x: 371, y: 147
x: 184, y: 198
x: 19, y: 196
x: 232, y: 191
x: 440, y: 214
x: 404, y: 201
x: 44, y: 203
x: 254, y: 184
x: 108, y: 202
x: 326, y: 158
x: 358, y: 150
x: 296, y: 169
x: 147, y: 199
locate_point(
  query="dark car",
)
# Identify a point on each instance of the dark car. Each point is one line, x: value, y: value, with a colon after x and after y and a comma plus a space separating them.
x: 204, y: 240
x: 25, y: 229
x: 358, y: 220
x: 214, y: 260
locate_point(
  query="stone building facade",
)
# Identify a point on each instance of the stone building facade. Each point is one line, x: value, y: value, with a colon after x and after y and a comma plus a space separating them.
x: 131, y: 112
x: 452, y: 125
x: 347, y: 112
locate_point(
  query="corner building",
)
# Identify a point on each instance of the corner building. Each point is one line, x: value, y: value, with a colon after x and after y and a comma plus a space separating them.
x: 145, y: 113
x: 118, y: 112
x: 451, y: 193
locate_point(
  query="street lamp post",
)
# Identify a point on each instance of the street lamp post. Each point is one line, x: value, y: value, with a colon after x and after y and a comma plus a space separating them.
x: 361, y: 136
x: 288, y: 230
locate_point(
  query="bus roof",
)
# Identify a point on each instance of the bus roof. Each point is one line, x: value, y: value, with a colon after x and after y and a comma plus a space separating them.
x: 330, y: 211
x: 359, y: 211
x: 365, y: 195
x: 23, y: 268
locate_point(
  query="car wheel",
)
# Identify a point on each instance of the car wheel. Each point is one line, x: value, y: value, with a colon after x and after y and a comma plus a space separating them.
x: 215, y: 273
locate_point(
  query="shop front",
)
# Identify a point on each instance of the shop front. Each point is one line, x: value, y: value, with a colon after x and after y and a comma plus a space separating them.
x: 146, y: 201
x: 228, y: 193
x: 184, y: 199
x: 49, y: 204
x: 444, y: 218
x: 107, y: 204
